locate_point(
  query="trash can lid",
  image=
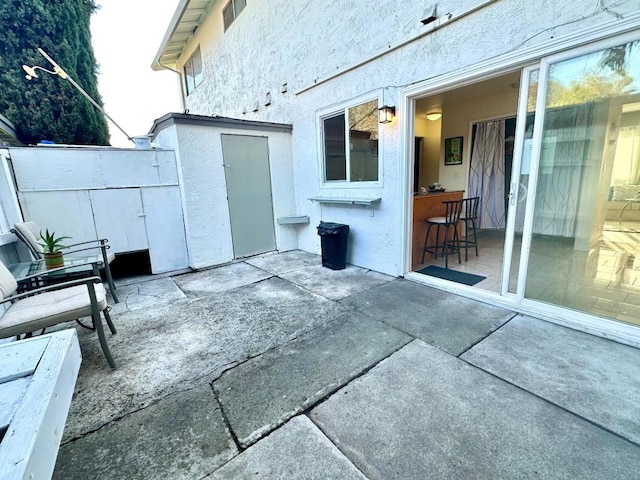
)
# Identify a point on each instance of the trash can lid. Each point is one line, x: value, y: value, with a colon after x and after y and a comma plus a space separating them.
x: 330, y: 227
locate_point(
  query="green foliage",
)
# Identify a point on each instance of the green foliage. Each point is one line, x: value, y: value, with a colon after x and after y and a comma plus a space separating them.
x: 49, y: 107
x: 51, y: 243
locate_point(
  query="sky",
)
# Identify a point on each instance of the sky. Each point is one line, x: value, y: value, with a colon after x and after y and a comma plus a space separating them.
x: 126, y: 35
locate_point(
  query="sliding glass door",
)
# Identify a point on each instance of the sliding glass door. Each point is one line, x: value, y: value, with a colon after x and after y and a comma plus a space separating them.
x: 574, y: 217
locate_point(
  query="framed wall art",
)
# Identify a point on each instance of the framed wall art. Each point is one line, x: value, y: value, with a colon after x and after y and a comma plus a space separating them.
x: 453, y: 151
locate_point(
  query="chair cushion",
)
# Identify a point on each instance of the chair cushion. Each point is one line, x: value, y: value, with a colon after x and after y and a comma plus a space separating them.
x: 8, y: 283
x: 49, y: 308
x: 437, y: 220
x: 31, y: 232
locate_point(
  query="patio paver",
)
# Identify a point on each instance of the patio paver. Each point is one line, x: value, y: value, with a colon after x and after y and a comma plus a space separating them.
x: 593, y: 377
x: 280, y: 263
x: 220, y: 279
x: 422, y: 413
x: 418, y: 413
x: 172, y: 347
x: 315, y: 458
x: 336, y: 284
x: 447, y: 321
x: 146, y: 294
x: 259, y: 395
x: 182, y: 436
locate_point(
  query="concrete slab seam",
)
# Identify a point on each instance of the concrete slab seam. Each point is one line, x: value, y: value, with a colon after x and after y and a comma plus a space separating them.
x: 304, y: 409
x: 546, y: 400
x: 225, y: 419
x: 301, y: 287
x: 360, y: 374
x: 231, y: 365
x: 487, y: 335
x: 117, y: 419
x: 335, y: 445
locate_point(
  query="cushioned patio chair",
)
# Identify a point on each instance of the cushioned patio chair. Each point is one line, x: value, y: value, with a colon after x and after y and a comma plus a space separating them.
x: 29, y: 234
x: 58, y: 303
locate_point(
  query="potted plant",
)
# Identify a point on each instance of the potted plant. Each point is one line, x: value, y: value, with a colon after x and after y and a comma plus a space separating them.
x: 52, y: 247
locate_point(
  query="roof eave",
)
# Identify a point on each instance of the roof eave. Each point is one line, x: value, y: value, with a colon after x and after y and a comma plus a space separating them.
x: 162, y: 59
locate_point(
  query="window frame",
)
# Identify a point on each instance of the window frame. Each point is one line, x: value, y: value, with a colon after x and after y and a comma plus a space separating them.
x: 343, y: 109
x: 234, y: 12
x: 188, y: 72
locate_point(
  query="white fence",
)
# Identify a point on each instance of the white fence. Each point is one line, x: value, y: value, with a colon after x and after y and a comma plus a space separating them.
x: 131, y: 197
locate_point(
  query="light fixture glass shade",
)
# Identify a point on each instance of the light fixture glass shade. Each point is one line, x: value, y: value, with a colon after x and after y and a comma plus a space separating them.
x: 386, y: 114
x: 433, y: 116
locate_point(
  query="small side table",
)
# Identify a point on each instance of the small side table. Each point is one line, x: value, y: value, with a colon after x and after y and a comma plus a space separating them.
x: 34, y: 274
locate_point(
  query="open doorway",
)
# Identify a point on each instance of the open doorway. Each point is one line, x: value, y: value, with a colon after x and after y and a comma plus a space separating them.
x: 481, y: 118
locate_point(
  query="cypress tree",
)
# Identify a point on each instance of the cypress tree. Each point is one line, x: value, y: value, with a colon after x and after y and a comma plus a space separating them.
x: 49, y: 107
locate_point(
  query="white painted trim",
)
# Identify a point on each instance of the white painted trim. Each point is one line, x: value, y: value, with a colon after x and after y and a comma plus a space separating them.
x: 16, y: 214
x: 514, y: 184
x: 338, y: 109
x: 406, y: 124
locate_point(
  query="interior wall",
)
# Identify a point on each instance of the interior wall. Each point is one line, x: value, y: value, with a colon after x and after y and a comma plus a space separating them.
x: 430, y: 163
x: 456, y: 122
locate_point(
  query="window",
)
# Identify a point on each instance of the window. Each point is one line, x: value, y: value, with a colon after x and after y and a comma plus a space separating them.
x: 358, y: 162
x: 193, y: 71
x: 231, y: 11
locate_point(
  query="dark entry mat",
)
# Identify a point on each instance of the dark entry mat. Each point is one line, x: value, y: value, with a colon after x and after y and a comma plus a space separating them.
x: 452, y: 275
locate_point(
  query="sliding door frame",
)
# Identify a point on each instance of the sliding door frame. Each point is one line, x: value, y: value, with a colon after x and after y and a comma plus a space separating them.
x: 584, y: 41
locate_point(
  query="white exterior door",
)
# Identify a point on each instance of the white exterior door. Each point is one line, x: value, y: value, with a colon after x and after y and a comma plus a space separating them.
x: 248, y: 177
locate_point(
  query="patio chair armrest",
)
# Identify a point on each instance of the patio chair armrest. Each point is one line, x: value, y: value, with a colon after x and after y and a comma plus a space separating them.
x: 85, y: 249
x: 53, y: 270
x: 89, y: 281
x: 102, y: 241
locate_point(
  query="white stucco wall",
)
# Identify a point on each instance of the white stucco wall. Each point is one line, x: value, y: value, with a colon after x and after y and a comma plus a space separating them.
x: 204, y: 191
x: 299, y: 43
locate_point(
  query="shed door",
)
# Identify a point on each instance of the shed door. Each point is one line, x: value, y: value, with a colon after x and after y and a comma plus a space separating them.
x: 246, y: 162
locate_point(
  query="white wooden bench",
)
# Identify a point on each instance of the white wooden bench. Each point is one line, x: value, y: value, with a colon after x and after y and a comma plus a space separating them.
x: 37, y: 379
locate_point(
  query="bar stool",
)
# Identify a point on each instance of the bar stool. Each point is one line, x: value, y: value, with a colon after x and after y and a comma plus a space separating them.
x: 453, y: 208
x: 469, y: 216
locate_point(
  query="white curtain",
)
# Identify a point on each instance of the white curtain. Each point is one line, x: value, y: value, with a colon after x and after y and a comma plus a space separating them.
x: 486, y: 175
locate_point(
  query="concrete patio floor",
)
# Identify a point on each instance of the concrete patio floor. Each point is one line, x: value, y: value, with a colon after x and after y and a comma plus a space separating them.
x: 278, y: 368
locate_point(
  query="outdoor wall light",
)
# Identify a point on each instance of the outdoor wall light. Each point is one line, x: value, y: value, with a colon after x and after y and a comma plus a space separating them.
x: 386, y: 114
x: 57, y: 70
x: 433, y: 116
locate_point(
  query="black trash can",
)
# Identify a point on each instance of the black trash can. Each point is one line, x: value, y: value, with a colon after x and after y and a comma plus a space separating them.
x: 333, y: 239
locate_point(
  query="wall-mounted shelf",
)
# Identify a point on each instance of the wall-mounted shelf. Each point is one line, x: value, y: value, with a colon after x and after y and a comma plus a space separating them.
x: 365, y: 201
x: 293, y: 220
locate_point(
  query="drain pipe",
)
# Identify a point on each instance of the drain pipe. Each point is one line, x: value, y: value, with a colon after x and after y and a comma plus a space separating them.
x: 183, y: 100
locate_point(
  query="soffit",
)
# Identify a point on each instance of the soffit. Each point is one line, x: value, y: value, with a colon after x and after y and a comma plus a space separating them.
x: 186, y: 20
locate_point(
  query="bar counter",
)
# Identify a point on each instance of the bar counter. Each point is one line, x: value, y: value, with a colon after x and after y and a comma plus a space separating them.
x: 426, y: 206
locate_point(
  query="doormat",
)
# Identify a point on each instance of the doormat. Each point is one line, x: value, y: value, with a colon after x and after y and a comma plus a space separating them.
x: 452, y: 275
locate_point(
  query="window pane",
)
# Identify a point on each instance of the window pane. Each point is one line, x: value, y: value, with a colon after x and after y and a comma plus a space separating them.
x: 335, y: 159
x: 240, y: 4
x: 227, y: 15
x: 363, y: 139
x: 188, y: 77
x: 196, y: 61
x: 586, y: 221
